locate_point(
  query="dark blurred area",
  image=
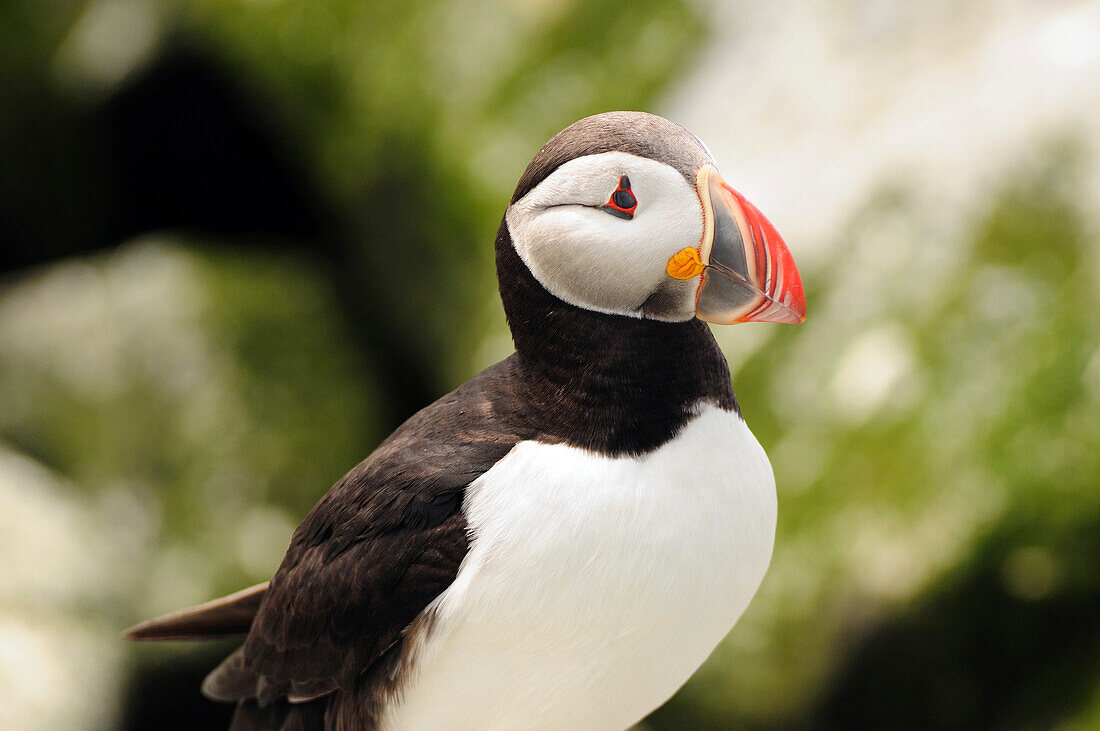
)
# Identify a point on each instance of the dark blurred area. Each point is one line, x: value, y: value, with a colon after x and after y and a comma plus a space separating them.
x: 245, y: 240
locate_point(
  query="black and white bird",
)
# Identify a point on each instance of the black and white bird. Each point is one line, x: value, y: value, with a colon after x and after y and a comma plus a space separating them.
x: 560, y: 542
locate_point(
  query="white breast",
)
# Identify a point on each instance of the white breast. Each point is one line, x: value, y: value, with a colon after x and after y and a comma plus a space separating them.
x: 595, y: 586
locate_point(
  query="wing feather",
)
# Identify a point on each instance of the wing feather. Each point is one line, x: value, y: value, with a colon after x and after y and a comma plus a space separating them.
x: 375, y: 552
x: 226, y: 617
x: 365, y: 563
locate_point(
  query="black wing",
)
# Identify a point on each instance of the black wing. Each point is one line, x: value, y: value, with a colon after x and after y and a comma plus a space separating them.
x: 230, y: 616
x: 370, y: 557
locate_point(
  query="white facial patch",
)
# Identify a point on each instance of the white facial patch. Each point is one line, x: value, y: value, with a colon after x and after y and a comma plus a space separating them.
x: 592, y: 259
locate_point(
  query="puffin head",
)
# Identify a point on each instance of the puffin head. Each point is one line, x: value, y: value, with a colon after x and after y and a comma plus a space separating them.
x: 625, y: 213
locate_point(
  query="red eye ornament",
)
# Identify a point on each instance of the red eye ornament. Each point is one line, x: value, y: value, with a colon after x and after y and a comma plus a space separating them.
x: 622, y: 202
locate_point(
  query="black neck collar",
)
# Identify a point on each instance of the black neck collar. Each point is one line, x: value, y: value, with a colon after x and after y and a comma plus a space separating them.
x: 610, y: 383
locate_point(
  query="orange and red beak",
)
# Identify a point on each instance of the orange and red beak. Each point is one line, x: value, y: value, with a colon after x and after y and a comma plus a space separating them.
x: 749, y: 275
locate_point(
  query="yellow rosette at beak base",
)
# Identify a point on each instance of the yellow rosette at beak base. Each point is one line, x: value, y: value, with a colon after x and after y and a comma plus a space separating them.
x: 685, y: 264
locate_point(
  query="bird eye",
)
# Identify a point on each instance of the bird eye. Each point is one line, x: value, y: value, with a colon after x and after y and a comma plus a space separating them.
x: 622, y: 202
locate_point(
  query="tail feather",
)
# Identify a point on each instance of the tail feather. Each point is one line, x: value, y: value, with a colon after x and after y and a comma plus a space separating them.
x: 229, y: 616
x: 234, y: 681
x: 280, y: 715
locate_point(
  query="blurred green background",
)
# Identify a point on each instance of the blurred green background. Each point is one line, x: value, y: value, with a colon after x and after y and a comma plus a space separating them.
x: 244, y: 239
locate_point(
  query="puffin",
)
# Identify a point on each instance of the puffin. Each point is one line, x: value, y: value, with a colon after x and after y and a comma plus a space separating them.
x: 560, y: 542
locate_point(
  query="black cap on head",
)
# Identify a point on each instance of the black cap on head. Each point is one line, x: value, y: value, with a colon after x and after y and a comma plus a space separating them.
x: 636, y: 133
